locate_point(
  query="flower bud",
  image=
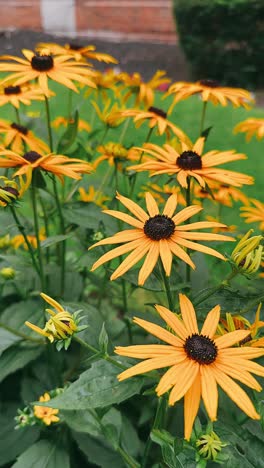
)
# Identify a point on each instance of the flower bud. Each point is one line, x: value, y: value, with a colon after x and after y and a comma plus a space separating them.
x: 247, y: 255
x: 210, y: 445
x: 8, y: 273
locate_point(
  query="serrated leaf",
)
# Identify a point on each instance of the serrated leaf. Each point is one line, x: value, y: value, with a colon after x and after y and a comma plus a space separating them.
x: 97, y: 387
x: 43, y: 454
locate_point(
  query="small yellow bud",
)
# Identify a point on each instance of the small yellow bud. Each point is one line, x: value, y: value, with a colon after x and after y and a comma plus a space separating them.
x: 8, y: 273
x: 210, y: 445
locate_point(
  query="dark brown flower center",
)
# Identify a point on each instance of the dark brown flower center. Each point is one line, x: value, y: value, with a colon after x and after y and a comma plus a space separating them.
x: 210, y: 83
x: 75, y: 46
x: 158, y: 112
x: 245, y: 340
x: 159, y: 227
x: 200, y: 348
x: 11, y: 190
x: 32, y: 156
x: 12, y: 90
x: 42, y: 62
x: 189, y: 160
x: 19, y: 128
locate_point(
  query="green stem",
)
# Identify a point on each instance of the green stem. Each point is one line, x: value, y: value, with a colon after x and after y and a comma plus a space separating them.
x: 202, y: 296
x: 97, y: 351
x: 21, y: 335
x: 127, y: 458
x: 134, y: 178
x: 203, y: 116
x: 124, y: 130
x: 22, y: 231
x: 62, y: 230
x: 49, y: 123
x: 70, y: 95
x: 157, y: 422
x: 104, y: 135
x: 17, y: 116
x: 188, y: 202
x: 36, y: 225
x: 166, y: 283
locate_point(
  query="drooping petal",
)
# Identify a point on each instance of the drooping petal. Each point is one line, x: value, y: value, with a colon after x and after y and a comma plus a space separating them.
x: 198, y: 247
x: 209, y: 391
x: 191, y: 406
x: 187, y: 373
x: 188, y: 314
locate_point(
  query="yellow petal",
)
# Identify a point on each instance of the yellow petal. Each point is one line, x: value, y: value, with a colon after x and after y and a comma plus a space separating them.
x: 186, y: 213
x: 209, y: 391
x: 170, y: 377
x: 165, y: 255
x: 52, y: 302
x: 211, y: 322
x: 133, y: 207
x: 148, y: 365
x: 159, y: 332
x: 188, y: 314
x: 173, y: 321
x: 170, y: 206
x: 133, y: 258
x: 229, y: 339
x: 149, y: 263
x: 187, y: 372
x: 144, y: 351
x: 152, y: 206
x: 191, y: 406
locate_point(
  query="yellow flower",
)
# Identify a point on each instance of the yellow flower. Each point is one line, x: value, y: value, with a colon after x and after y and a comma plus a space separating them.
x: 229, y: 228
x: 156, y: 118
x: 156, y: 235
x: 144, y: 92
x: 61, y: 326
x: 17, y: 136
x: 42, y: 66
x: 76, y: 51
x: 247, y: 255
x: 19, y: 240
x: 254, y: 214
x: 110, y: 114
x: 221, y: 193
x: 47, y: 415
x: 209, y: 90
x: 105, y: 81
x: 62, y: 121
x: 10, y: 191
x: 8, y: 273
x: 114, y: 153
x: 93, y: 196
x: 251, y: 126
x: 190, y: 162
x: 56, y: 164
x: 197, y: 361
x: 16, y: 95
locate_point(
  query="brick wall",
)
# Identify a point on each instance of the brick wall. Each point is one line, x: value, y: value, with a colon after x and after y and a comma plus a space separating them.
x: 107, y: 19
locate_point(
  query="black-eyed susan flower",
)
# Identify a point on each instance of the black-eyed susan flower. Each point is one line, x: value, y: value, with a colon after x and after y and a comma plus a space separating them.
x: 76, y: 51
x: 93, y: 196
x: 114, y: 153
x: 221, y: 193
x: 11, y: 190
x: 210, y: 90
x: 197, y: 361
x: 156, y: 118
x: 238, y: 322
x: 43, y: 66
x: 105, y: 81
x: 46, y: 414
x: 254, y: 214
x: 18, y: 136
x: 156, y: 235
x: 56, y: 164
x: 190, y: 162
x: 250, y: 127
x: 143, y: 91
x: 16, y: 95
x: 62, y: 325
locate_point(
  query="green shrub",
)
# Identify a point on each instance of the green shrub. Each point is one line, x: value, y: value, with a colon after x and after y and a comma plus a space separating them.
x: 223, y: 39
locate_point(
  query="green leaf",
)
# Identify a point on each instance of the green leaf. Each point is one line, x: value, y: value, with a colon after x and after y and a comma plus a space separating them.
x: 98, y: 451
x: 69, y: 136
x: 14, y: 442
x: 54, y: 240
x: 17, y: 357
x: 96, y: 388
x: 43, y: 454
x: 103, y: 339
x: 14, y: 316
x: 7, y: 339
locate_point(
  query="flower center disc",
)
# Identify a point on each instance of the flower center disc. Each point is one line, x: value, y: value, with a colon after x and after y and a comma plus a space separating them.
x: 189, y: 160
x: 32, y: 156
x: 74, y: 46
x: 12, y: 90
x: 42, y: 62
x: 159, y: 227
x: 19, y: 128
x: 201, y: 349
x: 158, y: 112
x: 209, y: 83
x: 11, y: 190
